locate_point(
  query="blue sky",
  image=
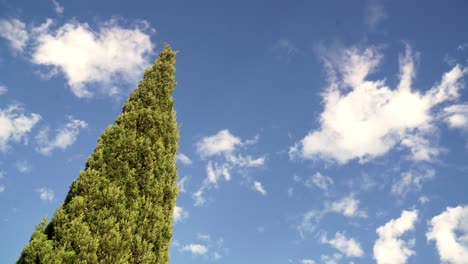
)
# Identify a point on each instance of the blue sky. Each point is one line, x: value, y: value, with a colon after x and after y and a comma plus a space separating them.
x: 311, y: 131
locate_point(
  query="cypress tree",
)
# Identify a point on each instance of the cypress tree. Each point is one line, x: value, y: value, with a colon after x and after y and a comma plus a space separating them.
x: 120, y: 208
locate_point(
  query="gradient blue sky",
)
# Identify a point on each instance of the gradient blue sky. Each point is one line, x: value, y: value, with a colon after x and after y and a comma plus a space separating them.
x: 311, y: 131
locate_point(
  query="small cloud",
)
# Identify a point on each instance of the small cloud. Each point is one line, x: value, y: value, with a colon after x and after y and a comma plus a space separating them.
x: 320, y: 181
x: 307, y: 261
x: 333, y: 259
x: 389, y: 247
x: 3, y: 89
x: 449, y: 230
x: 14, y: 31
x: 64, y: 137
x: 23, y: 167
x: 374, y: 13
x: 259, y: 188
x: 348, y: 246
x: 411, y: 181
x: 285, y: 50
x: 180, y: 214
x: 2, y: 188
x: 221, y: 143
x: 195, y: 249
x: 423, y: 199
x: 182, y: 183
x: 46, y: 194
x: 348, y: 206
x: 182, y: 158
x: 15, y: 125
x: 57, y: 7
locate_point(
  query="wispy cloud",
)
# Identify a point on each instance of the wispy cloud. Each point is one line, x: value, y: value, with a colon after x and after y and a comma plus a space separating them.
x: 65, y: 136
x: 182, y: 158
x: 3, y: 89
x: 257, y: 186
x: 348, y: 246
x: 15, y: 125
x: 58, y: 7
x: 180, y: 214
x: 15, y: 32
x: 374, y: 13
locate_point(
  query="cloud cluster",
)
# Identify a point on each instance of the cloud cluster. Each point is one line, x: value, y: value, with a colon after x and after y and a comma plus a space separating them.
x: 364, y: 119
x: 389, y: 247
x: 223, y: 155
x: 46, y: 194
x: 64, y: 137
x: 450, y: 232
x: 15, y: 125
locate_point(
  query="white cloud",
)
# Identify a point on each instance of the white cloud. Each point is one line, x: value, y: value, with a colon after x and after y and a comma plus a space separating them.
x: 180, y: 214
x: 15, y: 32
x: 389, y: 248
x: 223, y: 153
x: 2, y: 188
x: 456, y: 116
x: 323, y: 182
x: 183, y: 159
x: 15, y: 125
x: 411, y: 181
x: 364, y: 119
x: 222, y: 142
x: 257, y: 186
x: 23, y: 167
x: 450, y: 232
x: 3, y: 89
x: 375, y: 13
x: 46, y: 194
x: 348, y: 246
x: 106, y: 56
x: 58, y: 7
x: 64, y: 137
x: 285, y: 50
x: 307, y: 261
x: 196, y: 249
x: 333, y: 259
x: 348, y: 206
x: 181, y: 184
x: 423, y: 199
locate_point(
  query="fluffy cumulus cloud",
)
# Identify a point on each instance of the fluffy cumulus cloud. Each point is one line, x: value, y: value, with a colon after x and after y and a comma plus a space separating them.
x: 180, y: 214
x: 389, y: 247
x: 450, y: 232
x: 65, y: 137
x: 348, y: 246
x: 257, y: 186
x: 15, y: 125
x: 364, y: 119
x: 46, y: 194
x: 224, y: 154
x: 411, y: 181
x: 195, y: 249
x: 101, y: 57
x: 15, y: 32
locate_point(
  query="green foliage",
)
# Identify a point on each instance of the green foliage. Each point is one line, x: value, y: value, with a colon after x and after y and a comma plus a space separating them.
x: 120, y: 208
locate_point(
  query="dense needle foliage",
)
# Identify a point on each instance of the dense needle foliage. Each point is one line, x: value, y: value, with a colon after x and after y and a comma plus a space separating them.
x: 120, y: 208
